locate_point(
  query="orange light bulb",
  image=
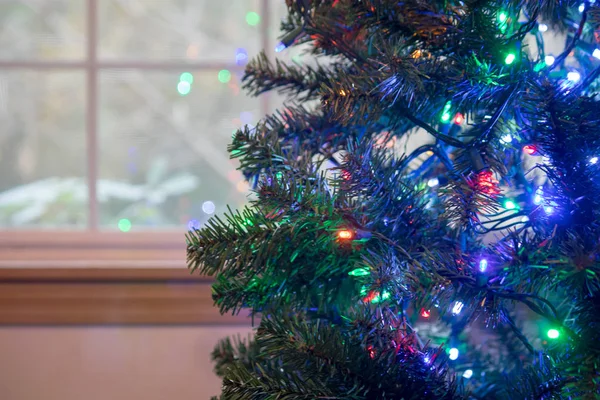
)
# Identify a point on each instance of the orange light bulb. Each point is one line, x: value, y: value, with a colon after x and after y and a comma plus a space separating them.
x: 345, y: 234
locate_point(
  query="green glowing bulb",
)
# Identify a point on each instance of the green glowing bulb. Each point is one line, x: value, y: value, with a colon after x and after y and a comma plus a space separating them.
x: 510, y: 205
x: 379, y: 298
x: 509, y: 59
x: 224, y: 76
x: 360, y: 272
x: 502, y: 17
x: 553, y: 333
x: 445, y: 117
x: 184, y: 88
x: 252, y: 18
x: 124, y: 225
x: 186, y: 77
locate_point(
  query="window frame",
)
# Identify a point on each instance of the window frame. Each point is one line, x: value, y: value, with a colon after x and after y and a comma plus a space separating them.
x: 94, y: 257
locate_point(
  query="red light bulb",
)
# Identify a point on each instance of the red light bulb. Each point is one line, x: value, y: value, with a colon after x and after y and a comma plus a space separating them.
x: 459, y: 119
x: 530, y: 149
x: 425, y: 313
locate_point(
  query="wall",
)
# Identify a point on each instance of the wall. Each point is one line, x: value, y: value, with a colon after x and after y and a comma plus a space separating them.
x: 116, y: 363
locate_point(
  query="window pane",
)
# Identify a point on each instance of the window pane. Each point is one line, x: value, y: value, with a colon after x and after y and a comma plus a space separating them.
x: 195, y: 30
x: 42, y: 149
x: 163, y: 140
x: 42, y: 29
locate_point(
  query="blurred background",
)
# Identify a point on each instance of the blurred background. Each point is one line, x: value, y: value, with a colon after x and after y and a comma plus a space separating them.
x: 116, y: 113
x: 115, y: 119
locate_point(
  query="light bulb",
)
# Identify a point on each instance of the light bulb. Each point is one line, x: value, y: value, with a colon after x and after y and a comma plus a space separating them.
x: 596, y: 53
x: 581, y: 7
x: 593, y: 160
x: 549, y: 60
x: 280, y: 47
x: 468, y: 374
x: 433, y: 182
x: 453, y: 355
x: 506, y: 138
x: 483, y: 264
x: 510, y: 205
x: 457, y: 308
x: 553, y: 333
x: 510, y: 58
x: 542, y: 28
x: 574, y: 76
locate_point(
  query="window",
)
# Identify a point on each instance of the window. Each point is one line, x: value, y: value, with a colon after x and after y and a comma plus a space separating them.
x: 117, y: 113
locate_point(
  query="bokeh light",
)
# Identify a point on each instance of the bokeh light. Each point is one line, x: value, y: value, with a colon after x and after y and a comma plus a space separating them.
x: 224, y: 76
x: 186, y: 77
x: 124, y: 225
x: 252, y: 18
x: 184, y: 88
x: 208, y: 207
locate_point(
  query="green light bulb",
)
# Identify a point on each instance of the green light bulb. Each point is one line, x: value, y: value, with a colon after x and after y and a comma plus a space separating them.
x: 502, y: 17
x: 553, y: 333
x: 124, y: 225
x: 186, y: 77
x: 359, y: 272
x: 510, y: 205
x: 445, y: 117
x: 510, y: 58
x: 224, y: 76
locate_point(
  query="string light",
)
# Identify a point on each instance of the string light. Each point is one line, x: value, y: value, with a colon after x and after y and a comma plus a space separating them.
x: 425, y: 313
x: 510, y: 58
x: 360, y: 272
x: 502, y: 17
x: 593, y: 160
x: 530, y: 149
x: 468, y: 374
x: 427, y: 359
x: 453, y: 354
x: 124, y: 225
x: 252, y: 18
x: 506, y: 138
x: 433, y: 182
x: 510, y: 205
x: 280, y: 47
x: 553, y: 333
x: 542, y: 28
x: 596, y: 53
x: 446, y: 113
x: 573, y: 76
x: 549, y: 60
x: 459, y: 119
x: 457, y: 308
x: 581, y: 7
x: 345, y: 234
x: 483, y: 264
x: 538, y: 196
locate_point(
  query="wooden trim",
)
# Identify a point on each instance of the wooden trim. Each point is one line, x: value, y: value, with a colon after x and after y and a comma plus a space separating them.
x: 102, y: 296
x: 98, y: 278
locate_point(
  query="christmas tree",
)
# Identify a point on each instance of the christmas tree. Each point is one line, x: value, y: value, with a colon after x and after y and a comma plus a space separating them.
x: 424, y: 222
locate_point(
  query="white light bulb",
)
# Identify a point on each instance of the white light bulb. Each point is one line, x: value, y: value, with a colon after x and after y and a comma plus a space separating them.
x: 525, y: 219
x: 596, y: 53
x: 581, y: 8
x: 542, y: 27
x: 549, y: 60
x: 483, y: 264
x: 457, y: 308
x: 468, y: 374
x: 549, y: 210
x: 574, y: 76
x: 426, y: 359
x: 433, y: 182
x: 506, y: 138
x: 208, y: 207
x: 593, y: 160
x: 453, y: 355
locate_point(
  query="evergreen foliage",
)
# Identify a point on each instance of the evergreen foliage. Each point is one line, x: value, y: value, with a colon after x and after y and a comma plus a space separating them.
x: 364, y: 260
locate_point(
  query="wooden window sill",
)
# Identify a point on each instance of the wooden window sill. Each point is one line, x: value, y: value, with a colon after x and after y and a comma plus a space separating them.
x: 83, y: 278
